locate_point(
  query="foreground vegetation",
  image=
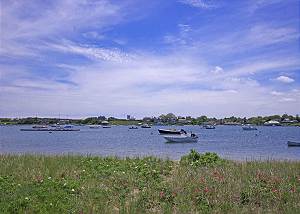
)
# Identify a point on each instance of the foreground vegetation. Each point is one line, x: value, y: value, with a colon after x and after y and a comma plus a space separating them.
x: 195, y: 184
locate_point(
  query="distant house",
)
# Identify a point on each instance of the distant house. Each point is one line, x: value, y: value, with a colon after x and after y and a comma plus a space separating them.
x: 287, y: 121
x: 183, y: 121
x: 272, y: 123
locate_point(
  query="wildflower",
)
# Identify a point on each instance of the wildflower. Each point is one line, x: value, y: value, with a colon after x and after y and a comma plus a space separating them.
x: 49, y: 178
x: 274, y: 190
x: 51, y: 204
x: 202, y: 180
x: 161, y: 194
x: 123, y: 172
x: 206, y: 190
x: 26, y: 198
x: 83, y: 170
x: 65, y: 184
x: 293, y: 189
x: 19, y: 185
x: 73, y: 190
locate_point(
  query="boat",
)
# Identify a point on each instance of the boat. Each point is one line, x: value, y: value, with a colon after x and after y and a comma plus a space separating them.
x: 182, y: 138
x: 94, y: 126
x: 39, y: 127
x: 68, y: 126
x: 51, y: 129
x: 106, y: 127
x: 133, y: 127
x: 293, y: 143
x: 249, y: 128
x: 145, y: 126
x: 209, y: 127
x: 170, y: 131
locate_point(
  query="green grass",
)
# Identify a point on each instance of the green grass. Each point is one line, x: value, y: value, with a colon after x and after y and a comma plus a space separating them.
x: 196, y: 184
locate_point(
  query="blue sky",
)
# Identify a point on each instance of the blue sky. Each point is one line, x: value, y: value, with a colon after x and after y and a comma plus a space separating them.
x: 144, y: 58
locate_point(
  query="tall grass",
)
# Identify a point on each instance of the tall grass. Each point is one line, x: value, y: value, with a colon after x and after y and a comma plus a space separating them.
x: 78, y: 184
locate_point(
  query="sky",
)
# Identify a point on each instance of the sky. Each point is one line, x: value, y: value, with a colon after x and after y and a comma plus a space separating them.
x: 80, y: 58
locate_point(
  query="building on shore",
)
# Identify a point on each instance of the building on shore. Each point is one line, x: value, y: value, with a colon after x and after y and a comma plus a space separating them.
x: 272, y: 123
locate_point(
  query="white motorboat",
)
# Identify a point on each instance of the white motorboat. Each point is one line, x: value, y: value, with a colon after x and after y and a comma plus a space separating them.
x: 170, y: 131
x: 293, y: 143
x: 182, y: 138
x: 94, y: 126
x: 145, y: 126
x: 106, y: 126
x: 249, y: 128
x: 209, y: 126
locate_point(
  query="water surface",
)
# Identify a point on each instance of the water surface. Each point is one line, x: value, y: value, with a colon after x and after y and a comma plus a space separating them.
x: 230, y: 142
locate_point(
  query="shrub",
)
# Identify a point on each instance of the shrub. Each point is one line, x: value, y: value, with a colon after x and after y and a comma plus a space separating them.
x: 194, y: 158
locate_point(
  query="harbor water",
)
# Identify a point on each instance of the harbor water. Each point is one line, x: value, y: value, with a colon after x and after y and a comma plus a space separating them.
x: 230, y: 142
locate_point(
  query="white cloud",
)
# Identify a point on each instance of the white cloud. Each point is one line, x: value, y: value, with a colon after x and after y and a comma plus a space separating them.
x: 217, y: 70
x: 92, y: 52
x: 203, y: 4
x: 59, y: 19
x: 276, y: 93
x: 285, y: 79
x: 287, y: 99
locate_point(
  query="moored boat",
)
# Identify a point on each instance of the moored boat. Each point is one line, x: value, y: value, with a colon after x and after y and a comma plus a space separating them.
x: 293, y: 143
x: 145, y: 126
x: 209, y: 127
x: 170, y: 131
x: 133, y: 127
x: 106, y: 126
x: 50, y: 130
x: 39, y: 127
x: 182, y: 138
x: 94, y: 126
x: 249, y: 128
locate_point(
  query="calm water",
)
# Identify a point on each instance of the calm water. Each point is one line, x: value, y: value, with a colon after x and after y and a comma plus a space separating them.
x: 228, y: 141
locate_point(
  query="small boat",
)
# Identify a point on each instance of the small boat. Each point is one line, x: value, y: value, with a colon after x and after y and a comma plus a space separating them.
x: 170, y: 131
x: 50, y: 130
x: 94, y: 126
x: 106, y: 127
x: 39, y: 127
x: 293, y: 143
x: 182, y: 138
x: 68, y: 126
x: 145, y: 126
x: 209, y: 127
x: 133, y: 127
x: 249, y: 128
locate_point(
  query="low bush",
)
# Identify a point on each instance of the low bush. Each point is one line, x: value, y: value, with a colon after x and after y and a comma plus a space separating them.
x: 196, y: 159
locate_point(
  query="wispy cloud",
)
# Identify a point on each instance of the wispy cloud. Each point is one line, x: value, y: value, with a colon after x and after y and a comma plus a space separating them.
x: 203, y: 4
x: 91, y: 51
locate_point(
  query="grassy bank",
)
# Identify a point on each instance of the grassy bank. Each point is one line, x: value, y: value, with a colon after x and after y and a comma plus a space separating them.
x: 203, y: 184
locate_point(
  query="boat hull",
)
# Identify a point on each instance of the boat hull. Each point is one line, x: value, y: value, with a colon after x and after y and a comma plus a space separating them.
x: 51, y: 130
x: 249, y: 128
x: 181, y: 139
x: 292, y: 143
x: 169, y: 132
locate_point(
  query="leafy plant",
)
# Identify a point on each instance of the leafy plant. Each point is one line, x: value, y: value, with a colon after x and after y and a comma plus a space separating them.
x: 194, y: 158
